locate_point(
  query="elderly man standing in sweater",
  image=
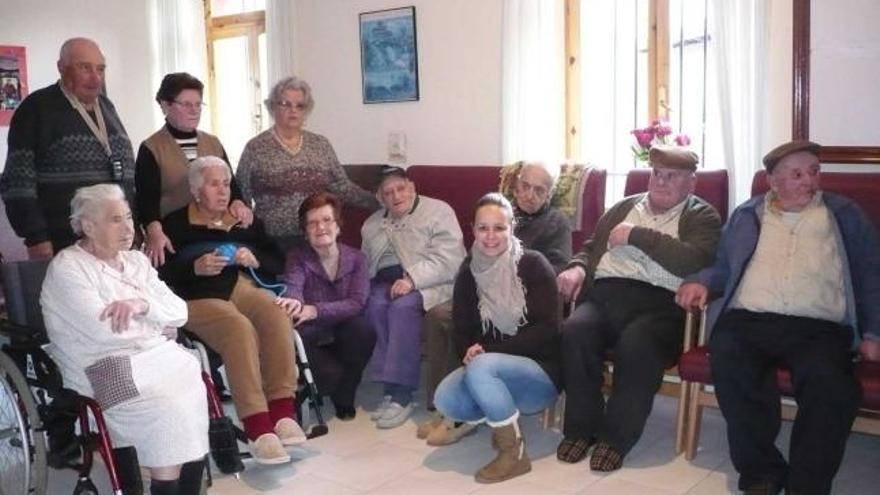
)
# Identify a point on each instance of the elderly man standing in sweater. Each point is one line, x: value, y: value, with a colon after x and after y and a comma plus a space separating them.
x: 63, y: 137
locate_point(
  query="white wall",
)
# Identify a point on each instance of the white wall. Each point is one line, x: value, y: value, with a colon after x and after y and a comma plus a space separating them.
x: 457, y: 120
x: 778, y: 118
x: 122, y: 30
x: 844, y: 40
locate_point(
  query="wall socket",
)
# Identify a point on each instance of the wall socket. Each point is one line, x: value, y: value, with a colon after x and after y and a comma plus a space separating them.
x: 397, y: 148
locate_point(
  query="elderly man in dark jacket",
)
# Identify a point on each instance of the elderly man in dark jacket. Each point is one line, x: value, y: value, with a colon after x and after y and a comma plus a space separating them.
x: 624, y: 281
x: 539, y: 226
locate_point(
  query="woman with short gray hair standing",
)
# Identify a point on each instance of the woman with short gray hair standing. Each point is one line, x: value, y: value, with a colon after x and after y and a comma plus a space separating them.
x: 282, y: 166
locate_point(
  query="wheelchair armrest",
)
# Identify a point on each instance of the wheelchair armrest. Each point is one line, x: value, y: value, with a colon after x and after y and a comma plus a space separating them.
x: 23, y: 335
x: 187, y: 339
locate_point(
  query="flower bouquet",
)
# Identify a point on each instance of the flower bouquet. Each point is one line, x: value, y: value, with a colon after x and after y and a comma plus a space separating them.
x: 659, y: 132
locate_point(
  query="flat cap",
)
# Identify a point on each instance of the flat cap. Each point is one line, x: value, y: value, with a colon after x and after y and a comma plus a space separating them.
x: 387, y: 171
x: 783, y: 150
x: 666, y: 156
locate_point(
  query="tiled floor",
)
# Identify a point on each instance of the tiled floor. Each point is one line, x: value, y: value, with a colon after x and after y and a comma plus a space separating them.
x: 356, y: 458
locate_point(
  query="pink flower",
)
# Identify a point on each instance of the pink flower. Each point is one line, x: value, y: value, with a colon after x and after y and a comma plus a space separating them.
x: 643, y: 136
x: 662, y: 129
x: 659, y: 132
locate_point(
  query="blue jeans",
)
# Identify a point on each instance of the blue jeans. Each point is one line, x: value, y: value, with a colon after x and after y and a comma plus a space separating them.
x: 494, y: 386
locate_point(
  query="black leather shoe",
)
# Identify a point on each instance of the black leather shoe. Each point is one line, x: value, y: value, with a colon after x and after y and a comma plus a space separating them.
x: 345, y: 413
x: 763, y: 488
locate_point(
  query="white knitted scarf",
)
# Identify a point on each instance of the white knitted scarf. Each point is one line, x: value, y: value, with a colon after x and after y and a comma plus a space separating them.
x: 502, y: 296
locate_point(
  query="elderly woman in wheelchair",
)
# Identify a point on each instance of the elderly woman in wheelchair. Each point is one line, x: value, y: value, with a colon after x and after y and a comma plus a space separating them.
x: 217, y: 268
x: 111, y: 323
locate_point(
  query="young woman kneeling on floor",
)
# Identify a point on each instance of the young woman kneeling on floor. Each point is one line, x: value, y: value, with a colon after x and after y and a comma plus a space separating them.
x: 507, y: 314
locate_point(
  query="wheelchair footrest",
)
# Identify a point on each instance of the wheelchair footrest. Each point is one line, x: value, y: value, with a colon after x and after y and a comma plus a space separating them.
x: 318, y: 430
x: 85, y: 486
x: 224, y: 446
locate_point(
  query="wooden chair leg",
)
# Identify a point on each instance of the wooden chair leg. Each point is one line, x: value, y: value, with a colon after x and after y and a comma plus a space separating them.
x: 681, y: 419
x: 560, y: 412
x: 553, y: 415
x: 694, y: 418
x: 549, y: 419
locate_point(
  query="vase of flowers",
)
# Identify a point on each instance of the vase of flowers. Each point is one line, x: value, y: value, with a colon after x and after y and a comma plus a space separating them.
x: 659, y: 132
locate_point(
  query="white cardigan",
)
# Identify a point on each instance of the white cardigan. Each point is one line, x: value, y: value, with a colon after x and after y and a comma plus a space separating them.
x: 77, y: 288
x: 167, y: 418
x: 427, y: 241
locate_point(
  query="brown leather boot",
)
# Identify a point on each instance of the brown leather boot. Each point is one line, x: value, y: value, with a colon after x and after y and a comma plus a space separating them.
x: 512, y: 459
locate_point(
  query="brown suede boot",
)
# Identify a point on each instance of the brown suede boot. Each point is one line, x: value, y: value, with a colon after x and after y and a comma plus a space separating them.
x: 428, y: 426
x: 512, y: 459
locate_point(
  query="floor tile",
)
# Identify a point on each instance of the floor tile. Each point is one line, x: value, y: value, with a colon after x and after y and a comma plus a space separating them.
x: 372, y: 467
x: 356, y: 458
x: 715, y: 484
x: 617, y: 486
x: 518, y: 486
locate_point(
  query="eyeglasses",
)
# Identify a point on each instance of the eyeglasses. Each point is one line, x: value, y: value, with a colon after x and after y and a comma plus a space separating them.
x: 288, y: 105
x: 670, y: 175
x: 320, y: 222
x: 190, y: 105
x: 89, y: 68
x: 524, y: 187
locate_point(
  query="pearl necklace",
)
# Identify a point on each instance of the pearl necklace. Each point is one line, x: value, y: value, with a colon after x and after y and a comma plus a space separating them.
x: 282, y: 142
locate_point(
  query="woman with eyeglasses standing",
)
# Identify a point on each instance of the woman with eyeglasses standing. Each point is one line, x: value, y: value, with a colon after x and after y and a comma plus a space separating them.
x: 163, y: 160
x: 282, y: 166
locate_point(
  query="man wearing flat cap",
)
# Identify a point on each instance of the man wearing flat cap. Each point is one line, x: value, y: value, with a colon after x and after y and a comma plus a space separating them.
x: 623, y: 282
x: 414, y: 249
x: 797, y: 277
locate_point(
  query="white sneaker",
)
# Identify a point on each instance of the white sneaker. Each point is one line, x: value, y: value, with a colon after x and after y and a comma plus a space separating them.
x: 386, y: 401
x: 289, y: 432
x: 267, y: 449
x: 395, y: 415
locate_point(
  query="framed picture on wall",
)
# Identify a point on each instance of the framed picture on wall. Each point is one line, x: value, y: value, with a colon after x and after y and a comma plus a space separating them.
x: 389, y: 58
x: 13, y: 81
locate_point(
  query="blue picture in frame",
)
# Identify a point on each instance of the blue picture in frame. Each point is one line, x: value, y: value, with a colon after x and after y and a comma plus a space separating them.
x: 389, y: 59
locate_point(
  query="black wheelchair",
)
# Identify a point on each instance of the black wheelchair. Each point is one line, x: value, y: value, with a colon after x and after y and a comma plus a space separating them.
x: 33, y: 399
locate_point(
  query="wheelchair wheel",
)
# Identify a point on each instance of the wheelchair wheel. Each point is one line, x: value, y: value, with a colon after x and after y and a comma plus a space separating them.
x: 22, y: 439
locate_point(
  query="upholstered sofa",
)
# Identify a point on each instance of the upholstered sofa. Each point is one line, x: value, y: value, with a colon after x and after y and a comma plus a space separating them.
x: 461, y: 187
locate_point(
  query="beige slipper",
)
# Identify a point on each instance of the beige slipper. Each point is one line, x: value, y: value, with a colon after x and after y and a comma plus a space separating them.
x: 289, y: 432
x: 267, y: 449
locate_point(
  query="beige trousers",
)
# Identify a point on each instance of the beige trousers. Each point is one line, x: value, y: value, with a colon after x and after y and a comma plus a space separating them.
x: 253, y: 335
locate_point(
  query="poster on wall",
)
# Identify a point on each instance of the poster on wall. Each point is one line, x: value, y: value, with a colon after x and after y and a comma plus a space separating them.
x: 13, y: 81
x: 389, y: 59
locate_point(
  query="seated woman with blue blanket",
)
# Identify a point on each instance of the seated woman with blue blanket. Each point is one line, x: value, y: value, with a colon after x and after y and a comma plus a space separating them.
x: 218, y: 269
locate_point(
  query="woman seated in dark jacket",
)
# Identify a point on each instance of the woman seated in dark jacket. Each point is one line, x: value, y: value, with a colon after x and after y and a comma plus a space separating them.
x: 506, y: 314
x: 215, y: 269
x: 329, y: 285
